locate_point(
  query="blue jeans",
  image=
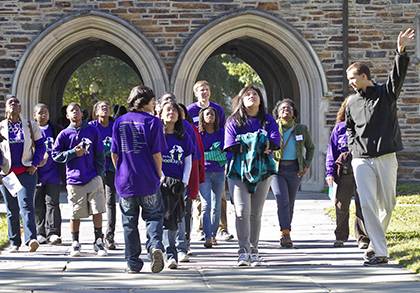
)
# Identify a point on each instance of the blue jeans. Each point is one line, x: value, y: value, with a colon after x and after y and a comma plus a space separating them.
x: 211, y: 198
x: 23, y: 203
x: 285, y: 186
x: 176, y: 240
x: 152, y: 214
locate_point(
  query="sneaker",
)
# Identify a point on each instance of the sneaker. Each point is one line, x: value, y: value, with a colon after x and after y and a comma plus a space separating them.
x: 362, y: 245
x: 33, y: 245
x: 172, y: 264
x: 338, y: 243
x: 54, y: 239
x: 243, y: 260
x: 41, y: 239
x: 286, y: 241
x: 110, y: 244
x: 183, y: 257
x: 13, y: 249
x: 157, y: 262
x: 213, y: 241
x: 75, y: 249
x: 201, y: 237
x: 376, y: 261
x: 99, y: 247
x: 208, y: 243
x: 225, y: 236
x: 131, y: 271
x: 369, y: 254
x: 255, y: 259
x: 189, y: 252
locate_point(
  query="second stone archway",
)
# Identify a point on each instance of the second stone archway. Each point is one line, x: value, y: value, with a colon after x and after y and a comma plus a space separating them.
x: 289, y: 50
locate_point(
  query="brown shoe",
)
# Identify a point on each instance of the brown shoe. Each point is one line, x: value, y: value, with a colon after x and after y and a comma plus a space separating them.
x: 208, y: 243
x: 286, y: 241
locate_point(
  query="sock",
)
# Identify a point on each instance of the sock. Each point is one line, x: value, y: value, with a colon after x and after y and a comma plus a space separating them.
x: 75, y: 236
x: 98, y: 233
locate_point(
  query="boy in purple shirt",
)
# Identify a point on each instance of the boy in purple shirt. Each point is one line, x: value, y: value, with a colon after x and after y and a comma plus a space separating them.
x: 79, y: 146
x: 202, y: 93
x: 103, y: 122
x: 137, y: 144
x: 47, y: 195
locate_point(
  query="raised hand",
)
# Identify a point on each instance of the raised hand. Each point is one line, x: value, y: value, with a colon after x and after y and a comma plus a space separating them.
x: 404, y: 38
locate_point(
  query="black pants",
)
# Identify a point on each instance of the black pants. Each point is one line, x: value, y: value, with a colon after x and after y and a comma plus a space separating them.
x: 346, y: 188
x: 47, y: 210
x: 110, y: 195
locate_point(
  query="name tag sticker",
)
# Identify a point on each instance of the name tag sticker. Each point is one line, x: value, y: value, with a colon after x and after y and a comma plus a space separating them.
x: 195, y: 119
x: 299, y: 137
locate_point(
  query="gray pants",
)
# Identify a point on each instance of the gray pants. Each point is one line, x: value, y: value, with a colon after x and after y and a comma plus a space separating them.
x: 376, y: 180
x: 248, y: 211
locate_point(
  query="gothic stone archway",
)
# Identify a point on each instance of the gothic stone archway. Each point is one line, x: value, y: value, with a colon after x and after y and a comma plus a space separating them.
x: 56, y: 53
x: 281, y: 50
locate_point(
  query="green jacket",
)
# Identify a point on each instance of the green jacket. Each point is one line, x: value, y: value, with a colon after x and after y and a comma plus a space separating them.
x: 305, y: 147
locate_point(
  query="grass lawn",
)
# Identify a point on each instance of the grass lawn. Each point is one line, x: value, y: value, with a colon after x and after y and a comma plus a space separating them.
x: 3, y: 231
x: 403, y: 233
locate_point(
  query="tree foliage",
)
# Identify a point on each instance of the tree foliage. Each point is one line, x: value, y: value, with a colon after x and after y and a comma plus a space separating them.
x: 227, y: 75
x: 101, y: 78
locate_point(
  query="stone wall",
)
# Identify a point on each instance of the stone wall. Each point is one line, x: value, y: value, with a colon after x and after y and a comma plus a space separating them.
x: 373, y: 29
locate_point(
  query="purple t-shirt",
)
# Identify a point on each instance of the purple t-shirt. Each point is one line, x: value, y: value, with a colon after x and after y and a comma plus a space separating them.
x: 173, y: 158
x: 16, y: 139
x: 232, y: 130
x: 106, y: 138
x: 79, y: 170
x: 50, y: 172
x: 16, y: 143
x: 337, y: 145
x: 194, y: 111
x: 136, y: 137
x: 209, y: 139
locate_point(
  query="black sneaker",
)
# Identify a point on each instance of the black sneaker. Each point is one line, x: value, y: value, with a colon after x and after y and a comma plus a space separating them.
x: 369, y: 254
x: 376, y: 261
x: 363, y: 245
x: 110, y: 244
x: 157, y: 262
x: 99, y: 247
x: 132, y: 271
x: 338, y: 243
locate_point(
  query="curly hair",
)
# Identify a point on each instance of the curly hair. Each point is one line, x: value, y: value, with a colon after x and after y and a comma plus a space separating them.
x: 285, y: 101
x: 202, y: 123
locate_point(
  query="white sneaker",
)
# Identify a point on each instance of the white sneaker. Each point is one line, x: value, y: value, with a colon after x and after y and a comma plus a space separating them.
x: 75, y: 249
x: 99, y: 247
x: 183, y: 257
x: 54, y: 239
x: 225, y: 236
x: 13, y: 249
x: 255, y: 259
x: 41, y: 239
x: 243, y: 260
x: 172, y: 264
x: 33, y: 245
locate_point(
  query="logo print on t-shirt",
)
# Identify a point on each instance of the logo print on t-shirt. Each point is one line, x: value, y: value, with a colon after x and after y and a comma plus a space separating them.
x: 107, y: 143
x: 86, y: 143
x: 49, y: 142
x: 176, y: 152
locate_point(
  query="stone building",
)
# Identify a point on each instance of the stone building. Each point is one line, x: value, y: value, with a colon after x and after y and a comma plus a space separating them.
x: 300, y: 48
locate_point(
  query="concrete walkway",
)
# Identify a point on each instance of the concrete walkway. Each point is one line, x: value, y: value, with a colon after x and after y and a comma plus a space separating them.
x: 311, y: 266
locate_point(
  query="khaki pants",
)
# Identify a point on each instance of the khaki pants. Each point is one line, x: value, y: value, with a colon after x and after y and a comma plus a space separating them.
x: 376, y: 180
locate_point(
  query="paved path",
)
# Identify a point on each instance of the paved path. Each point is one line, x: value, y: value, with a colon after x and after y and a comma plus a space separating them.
x: 311, y: 266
